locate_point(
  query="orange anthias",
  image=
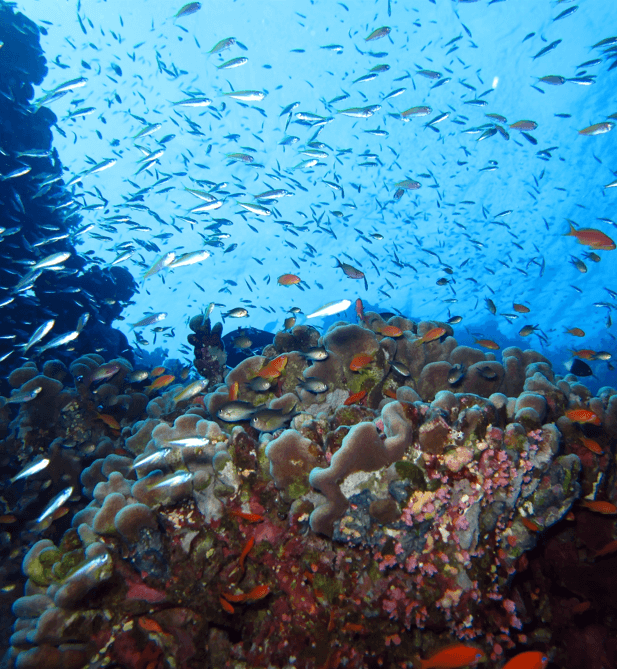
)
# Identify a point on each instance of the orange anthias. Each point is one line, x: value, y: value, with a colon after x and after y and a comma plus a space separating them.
x: 488, y: 343
x: 584, y: 354
x: 248, y: 517
x: 355, y: 398
x: 452, y: 657
x: 360, y: 361
x: 592, y: 445
x: 157, y: 371
x: 360, y: 310
x: 595, y: 239
x: 390, y: 331
x: 274, y: 368
x: 288, y: 280
x: 161, y: 382
x: 110, y: 421
x: 431, y: 335
x: 576, y: 332
x: 531, y: 659
x: 606, y: 508
x: 583, y: 416
x: 233, y: 391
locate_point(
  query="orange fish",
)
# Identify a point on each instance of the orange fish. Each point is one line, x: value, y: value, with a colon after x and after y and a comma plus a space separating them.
x: 606, y: 508
x: 390, y: 331
x: 360, y: 361
x: 581, y: 607
x: 610, y: 547
x: 431, y: 335
x: 452, y: 657
x: 592, y: 445
x: 360, y: 310
x: 157, y: 371
x: 226, y: 606
x: 584, y: 354
x: 390, y: 393
x: 576, y: 332
x: 109, y: 420
x: 288, y: 280
x: 150, y: 625
x: 245, y: 551
x: 233, y: 391
x: 249, y: 517
x: 355, y: 398
x: 273, y: 369
x: 531, y: 659
x: 161, y: 382
x: 583, y: 416
x: 595, y: 239
x: 8, y: 518
x: 521, y: 308
x: 236, y: 599
x: 529, y: 524
x: 487, y: 343
x: 258, y: 592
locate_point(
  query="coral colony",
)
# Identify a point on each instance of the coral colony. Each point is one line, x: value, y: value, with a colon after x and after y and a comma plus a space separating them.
x: 289, y: 527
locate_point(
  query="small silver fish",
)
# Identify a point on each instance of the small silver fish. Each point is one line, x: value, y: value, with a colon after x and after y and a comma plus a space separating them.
x: 59, y: 500
x: 153, y: 458
x: 39, y: 333
x: 31, y: 469
x: 177, y: 479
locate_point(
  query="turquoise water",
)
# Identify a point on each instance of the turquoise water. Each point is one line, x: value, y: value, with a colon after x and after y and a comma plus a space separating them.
x: 138, y: 61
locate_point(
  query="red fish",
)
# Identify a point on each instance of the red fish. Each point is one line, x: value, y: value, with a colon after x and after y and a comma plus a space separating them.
x: 584, y: 354
x: 431, y: 335
x: 606, y: 508
x: 236, y: 599
x: 245, y: 551
x: 157, y: 371
x: 610, y: 547
x: 576, y: 332
x: 360, y: 310
x: 109, y: 420
x: 452, y: 657
x: 487, y: 343
x: 226, y: 606
x: 233, y: 391
x: 355, y: 398
x: 161, y: 382
x: 390, y: 331
x: 583, y: 416
x: 531, y: 659
x: 258, y: 592
x: 273, y: 369
x: 592, y: 445
x: 288, y: 280
x: 360, y: 361
x: 249, y: 517
x: 150, y: 625
x: 595, y: 239
x: 529, y: 524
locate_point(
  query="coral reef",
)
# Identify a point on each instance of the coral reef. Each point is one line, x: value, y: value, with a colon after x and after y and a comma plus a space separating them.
x: 277, y: 520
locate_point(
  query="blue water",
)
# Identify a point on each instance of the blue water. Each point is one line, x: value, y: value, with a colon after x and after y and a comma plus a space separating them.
x: 138, y: 61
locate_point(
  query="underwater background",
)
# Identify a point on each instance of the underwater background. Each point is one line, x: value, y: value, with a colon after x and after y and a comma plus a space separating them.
x: 310, y: 304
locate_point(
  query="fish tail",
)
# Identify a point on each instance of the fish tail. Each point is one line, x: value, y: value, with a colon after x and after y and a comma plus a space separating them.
x: 572, y: 231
